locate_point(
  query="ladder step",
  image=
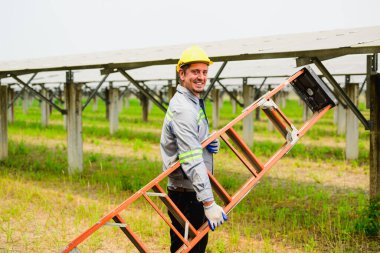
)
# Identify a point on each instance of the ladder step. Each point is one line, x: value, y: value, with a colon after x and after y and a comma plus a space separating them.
x: 129, y: 233
x: 241, y: 158
x: 173, y: 209
x: 276, y: 120
x: 245, y: 149
x: 114, y: 224
x: 222, y: 193
x: 156, y: 194
x: 155, y: 207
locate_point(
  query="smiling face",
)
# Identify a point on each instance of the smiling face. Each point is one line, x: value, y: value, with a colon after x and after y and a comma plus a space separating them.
x: 194, y: 78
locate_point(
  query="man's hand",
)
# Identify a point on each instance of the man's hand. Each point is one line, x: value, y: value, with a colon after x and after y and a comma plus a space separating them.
x: 215, y: 215
x: 213, y: 147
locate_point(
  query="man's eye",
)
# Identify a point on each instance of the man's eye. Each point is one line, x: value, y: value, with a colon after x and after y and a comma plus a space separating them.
x: 205, y: 73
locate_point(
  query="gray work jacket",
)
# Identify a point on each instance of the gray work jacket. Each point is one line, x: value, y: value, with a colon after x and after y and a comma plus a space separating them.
x: 185, y: 127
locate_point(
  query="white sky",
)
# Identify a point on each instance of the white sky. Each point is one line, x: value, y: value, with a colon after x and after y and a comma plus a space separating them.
x: 39, y: 28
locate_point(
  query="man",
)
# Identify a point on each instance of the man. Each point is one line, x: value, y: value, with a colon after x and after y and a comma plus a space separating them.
x: 185, y: 127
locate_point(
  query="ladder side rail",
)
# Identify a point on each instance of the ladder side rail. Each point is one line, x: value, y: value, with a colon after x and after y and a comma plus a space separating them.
x: 175, y: 166
x: 282, y: 85
x: 121, y: 207
x: 235, y: 200
x: 155, y: 207
x: 204, y: 229
x: 279, y: 154
x: 288, y: 145
x: 254, y: 180
x: 313, y: 119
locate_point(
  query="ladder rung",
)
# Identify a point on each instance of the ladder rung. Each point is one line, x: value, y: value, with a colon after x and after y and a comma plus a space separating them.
x: 276, y: 120
x: 222, y: 193
x: 155, y: 207
x: 246, y: 163
x: 173, y: 209
x: 116, y: 224
x: 129, y: 233
x: 245, y: 149
x: 156, y: 194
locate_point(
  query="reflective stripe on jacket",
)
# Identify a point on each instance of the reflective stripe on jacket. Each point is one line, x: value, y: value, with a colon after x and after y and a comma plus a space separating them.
x: 185, y: 127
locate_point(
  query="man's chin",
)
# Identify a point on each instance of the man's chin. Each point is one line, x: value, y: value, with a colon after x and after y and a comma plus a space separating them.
x: 199, y: 91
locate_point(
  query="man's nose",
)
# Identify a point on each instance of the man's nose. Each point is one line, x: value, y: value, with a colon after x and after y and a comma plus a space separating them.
x: 201, y: 75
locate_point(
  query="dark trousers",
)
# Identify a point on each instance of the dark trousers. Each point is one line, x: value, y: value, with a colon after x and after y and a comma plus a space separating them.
x: 193, y: 210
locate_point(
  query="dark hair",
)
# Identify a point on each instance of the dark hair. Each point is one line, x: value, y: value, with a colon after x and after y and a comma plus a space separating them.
x: 185, y: 67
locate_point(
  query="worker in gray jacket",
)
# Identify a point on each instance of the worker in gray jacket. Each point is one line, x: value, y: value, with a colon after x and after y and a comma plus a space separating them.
x: 185, y: 127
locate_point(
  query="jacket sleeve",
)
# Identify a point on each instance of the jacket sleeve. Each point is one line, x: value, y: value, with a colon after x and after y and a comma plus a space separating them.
x: 185, y: 129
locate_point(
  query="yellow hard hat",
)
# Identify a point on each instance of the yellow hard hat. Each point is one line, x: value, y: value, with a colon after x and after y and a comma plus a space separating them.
x: 193, y: 54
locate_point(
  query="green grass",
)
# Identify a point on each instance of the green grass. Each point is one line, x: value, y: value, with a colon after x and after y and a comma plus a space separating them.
x: 279, y: 212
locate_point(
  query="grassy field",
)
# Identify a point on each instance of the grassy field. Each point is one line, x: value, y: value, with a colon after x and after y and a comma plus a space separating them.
x: 311, y: 201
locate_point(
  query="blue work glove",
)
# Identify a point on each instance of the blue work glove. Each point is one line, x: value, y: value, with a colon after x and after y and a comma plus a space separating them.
x: 213, y: 147
x: 215, y: 215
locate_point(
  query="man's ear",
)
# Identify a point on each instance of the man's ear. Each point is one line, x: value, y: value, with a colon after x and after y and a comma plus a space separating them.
x: 181, y: 74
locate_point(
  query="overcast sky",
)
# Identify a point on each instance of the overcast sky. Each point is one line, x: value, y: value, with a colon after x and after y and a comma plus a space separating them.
x: 39, y: 28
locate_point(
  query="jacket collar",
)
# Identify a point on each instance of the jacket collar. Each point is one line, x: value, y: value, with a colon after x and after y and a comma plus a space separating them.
x: 188, y: 94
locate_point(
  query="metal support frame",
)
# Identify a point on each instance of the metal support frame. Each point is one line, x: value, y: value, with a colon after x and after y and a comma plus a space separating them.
x: 93, y: 94
x: 20, y: 92
x: 258, y: 94
x: 122, y: 94
x: 62, y: 111
x: 214, y: 80
x: 153, y: 92
x: 230, y: 94
x: 340, y: 91
x: 145, y: 92
x: 57, y: 97
x: 362, y: 86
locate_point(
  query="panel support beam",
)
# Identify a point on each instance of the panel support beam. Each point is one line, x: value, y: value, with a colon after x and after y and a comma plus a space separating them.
x: 62, y: 111
x: 21, y: 91
x: 302, y: 61
x: 142, y: 90
x: 232, y: 96
x: 93, y: 93
x: 344, y: 96
x: 213, y: 81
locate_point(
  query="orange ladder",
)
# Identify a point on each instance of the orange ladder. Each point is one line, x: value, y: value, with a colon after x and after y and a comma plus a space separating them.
x: 307, y: 85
